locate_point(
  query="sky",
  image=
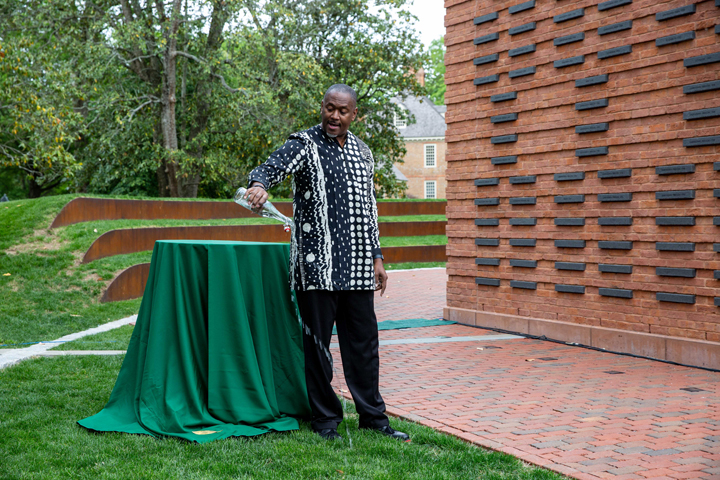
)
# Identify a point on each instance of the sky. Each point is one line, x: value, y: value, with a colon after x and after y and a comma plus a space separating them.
x: 431, y: 19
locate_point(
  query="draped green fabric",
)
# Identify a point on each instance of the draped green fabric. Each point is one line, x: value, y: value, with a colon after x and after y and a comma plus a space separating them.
x: 217, y: 347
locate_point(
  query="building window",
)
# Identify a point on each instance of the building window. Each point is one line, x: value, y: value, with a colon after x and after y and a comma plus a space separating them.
x: 430, y: 155
x: 430, y: 190
x: 399, y: 121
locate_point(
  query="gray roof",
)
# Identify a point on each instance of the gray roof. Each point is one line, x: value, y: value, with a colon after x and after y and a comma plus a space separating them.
x: 429, y: 121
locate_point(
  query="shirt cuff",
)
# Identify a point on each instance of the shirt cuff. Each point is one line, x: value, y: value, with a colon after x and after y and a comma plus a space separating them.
x: 377, y: 253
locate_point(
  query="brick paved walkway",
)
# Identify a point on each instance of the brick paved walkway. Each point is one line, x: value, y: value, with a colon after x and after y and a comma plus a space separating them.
x: 580, y: 412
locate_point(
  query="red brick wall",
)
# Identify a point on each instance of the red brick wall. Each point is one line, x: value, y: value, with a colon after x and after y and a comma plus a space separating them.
x: 646, y: 130
x: 417, y: 173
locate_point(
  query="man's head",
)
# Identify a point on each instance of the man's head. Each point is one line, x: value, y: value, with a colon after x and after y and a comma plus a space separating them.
x: 338, y: 110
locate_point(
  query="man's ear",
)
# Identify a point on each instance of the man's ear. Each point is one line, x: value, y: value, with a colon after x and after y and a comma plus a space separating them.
x: 354, y: 114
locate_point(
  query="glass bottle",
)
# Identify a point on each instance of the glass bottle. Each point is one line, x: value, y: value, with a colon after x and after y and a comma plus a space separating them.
x: 268, y: 209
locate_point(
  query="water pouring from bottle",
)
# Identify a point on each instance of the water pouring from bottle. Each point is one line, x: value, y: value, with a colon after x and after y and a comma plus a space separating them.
x: 268, y: 209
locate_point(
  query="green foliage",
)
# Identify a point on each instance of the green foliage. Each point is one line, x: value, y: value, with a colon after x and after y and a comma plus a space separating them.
x: 435, y: 71
x: 95, y: 108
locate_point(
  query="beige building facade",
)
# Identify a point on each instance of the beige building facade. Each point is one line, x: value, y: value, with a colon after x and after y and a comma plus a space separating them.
x: 424, y: 163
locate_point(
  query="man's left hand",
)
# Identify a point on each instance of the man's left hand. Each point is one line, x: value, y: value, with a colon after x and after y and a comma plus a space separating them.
x: 381, y: 277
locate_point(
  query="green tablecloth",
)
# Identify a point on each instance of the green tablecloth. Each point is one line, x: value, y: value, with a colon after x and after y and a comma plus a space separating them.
x: 217, y: 347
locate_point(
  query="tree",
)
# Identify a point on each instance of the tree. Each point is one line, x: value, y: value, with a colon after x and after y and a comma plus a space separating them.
x: 435, y: 71
x: 196, y: 93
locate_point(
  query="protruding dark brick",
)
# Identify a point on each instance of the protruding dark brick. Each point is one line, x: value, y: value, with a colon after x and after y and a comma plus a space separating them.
x: 676, y: 221
x: 702, y: 60
x: 615, y: 292
x: 673, y: 39
x: 523, y: 179
x: 486, y: 18
x: 569, y: 288
x: 674, y: 298
x: 716, y: 275
x: 675, y: 246
x: 486, y: 59
x: 524, y: 285
x: 594, y: 80
x: 618, y: 173
x: 522, y: 28
x: 701, y: 87
x: 523, y: 221
x: 507, y: 117
x: 569, y: 176
x: 612, y: 4
x: 599, y: 103
x: 616, y: 221
x: 614, y: 52
x: 701, y: 141
x: 700, y: 114
x: 615, y: 27
x: 591, y: 152
x: 485, y: 80
x: 570, y: 222
x: 575, y: 37
x: 487, y: 201
x: 503, y: 97
x: 675, y: 169
x: 487, y: 242
x: 675, y: 195
x: 615, y: 245
x: 523, y: 200
x: 675, y: 272
x: 564, y: 17
x: 490, y: 37
x: 568, y: 62
x: 521, y: 7
x: 485, y: 182
x: 487, y: 222
x: 592, y: 128
x: 521, y: 72
x: 515, y: 52
x: 609, y: 268
x: 504, y: 160
x: 523, y: 242
x: 523, y: 263
x: 575, y: 266
x: 491, y: 282
x: 615, y: 197
x: 716, y: 221
x: 570, y: 243
x: 492, y: 262
x: 675, y: 12
x: 569, y: 198
x: 504, y: 139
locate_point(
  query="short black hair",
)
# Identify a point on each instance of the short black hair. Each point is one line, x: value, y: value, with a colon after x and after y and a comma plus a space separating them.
x: 342, y: 88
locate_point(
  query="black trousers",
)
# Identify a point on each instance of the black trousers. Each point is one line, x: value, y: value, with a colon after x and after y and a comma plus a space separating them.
x: 354, y: 313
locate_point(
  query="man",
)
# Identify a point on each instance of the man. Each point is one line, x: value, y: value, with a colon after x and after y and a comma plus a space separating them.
x: 336, y: 262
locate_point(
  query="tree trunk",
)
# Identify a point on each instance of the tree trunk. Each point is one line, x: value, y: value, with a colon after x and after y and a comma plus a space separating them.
x: 169, y: 125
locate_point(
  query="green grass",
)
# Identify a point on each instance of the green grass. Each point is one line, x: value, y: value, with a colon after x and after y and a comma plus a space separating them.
x: 411, y: 265
x: 410, y: 241
x: 41, y: 399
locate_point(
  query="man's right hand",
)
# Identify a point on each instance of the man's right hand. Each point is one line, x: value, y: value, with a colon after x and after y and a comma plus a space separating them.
x: 256, y: 196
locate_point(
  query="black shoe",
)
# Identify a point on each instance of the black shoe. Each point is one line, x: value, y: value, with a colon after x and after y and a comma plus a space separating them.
x: 390, y: 432
x: 329, y: 434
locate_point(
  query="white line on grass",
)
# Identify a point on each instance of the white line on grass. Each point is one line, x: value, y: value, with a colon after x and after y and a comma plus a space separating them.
x: 11, y: 356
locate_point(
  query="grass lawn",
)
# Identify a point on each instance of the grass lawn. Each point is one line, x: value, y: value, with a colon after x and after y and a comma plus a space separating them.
x: 41, y: 399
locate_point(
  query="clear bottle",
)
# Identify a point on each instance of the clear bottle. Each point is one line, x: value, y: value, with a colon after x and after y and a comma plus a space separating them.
x: 268, y: 209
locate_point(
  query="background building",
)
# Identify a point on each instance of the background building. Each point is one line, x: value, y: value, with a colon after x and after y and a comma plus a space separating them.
x: 424, y: 165
x: 584, y: 172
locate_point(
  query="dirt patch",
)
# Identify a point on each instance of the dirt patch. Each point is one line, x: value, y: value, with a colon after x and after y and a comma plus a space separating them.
x: 41, y: 240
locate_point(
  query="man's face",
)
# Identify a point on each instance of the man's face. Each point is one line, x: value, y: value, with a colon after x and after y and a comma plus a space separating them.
x: 338, y: 111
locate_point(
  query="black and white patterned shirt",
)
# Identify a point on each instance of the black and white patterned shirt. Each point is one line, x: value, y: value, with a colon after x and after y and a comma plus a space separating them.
x: 336, y: 229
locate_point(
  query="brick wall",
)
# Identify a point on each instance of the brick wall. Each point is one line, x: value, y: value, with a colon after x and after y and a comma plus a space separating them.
x: 635, y: 192
x: 417, y: 173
